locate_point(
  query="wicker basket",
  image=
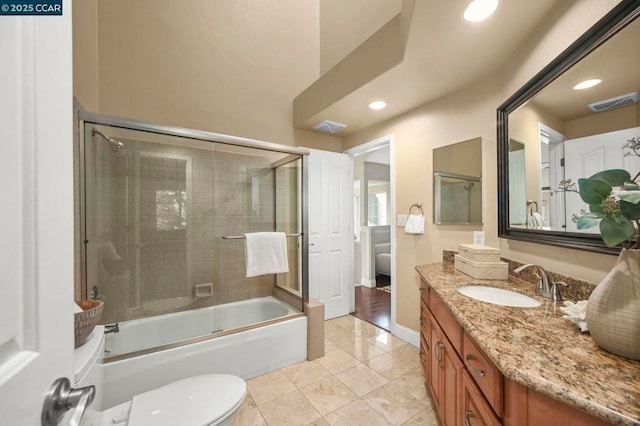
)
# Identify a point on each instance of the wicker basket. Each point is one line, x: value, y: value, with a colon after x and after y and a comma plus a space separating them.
x: 86, y: 320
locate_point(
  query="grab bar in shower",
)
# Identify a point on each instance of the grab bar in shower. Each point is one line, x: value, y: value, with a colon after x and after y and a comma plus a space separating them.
x: 241, y: 237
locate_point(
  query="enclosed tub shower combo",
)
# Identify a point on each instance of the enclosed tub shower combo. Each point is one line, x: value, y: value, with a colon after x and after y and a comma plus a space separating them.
x: 164, y: 212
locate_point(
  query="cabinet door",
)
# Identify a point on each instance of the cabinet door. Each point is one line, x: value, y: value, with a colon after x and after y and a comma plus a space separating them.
x: 451, y: 382
x: 424, y: 341
x: 424, y: 353
x: 434, y: 360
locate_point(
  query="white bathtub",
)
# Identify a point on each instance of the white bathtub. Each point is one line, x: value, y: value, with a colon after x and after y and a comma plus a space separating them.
x: 159, y: 330
x: 247, y: 354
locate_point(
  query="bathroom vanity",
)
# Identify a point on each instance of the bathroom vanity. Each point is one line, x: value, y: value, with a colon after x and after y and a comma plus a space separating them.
x: 490, y: 365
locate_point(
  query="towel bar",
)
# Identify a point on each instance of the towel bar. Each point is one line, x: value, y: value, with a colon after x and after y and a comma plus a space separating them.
x: 419, y: 206
x: 241, y: 237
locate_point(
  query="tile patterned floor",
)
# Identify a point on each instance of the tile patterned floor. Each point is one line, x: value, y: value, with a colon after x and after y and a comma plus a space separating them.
x: 367, y: 377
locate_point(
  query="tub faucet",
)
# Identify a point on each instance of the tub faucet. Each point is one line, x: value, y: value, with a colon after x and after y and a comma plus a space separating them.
x: 543, y: 288
x: 111, y: 328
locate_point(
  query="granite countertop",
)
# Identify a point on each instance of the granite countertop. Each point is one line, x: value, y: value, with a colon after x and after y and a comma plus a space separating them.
x: 539, y: 349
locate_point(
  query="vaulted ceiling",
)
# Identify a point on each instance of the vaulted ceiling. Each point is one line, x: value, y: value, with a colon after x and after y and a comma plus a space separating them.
x: 423, y: 53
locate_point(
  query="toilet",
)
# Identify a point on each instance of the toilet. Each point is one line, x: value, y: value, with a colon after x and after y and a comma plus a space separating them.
x: 205, y: 400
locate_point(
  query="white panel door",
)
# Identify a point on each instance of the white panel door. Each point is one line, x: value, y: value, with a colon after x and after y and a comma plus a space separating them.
x: 517, y: 188
x: 330, y: 231
x: 36, y: 248
x: 589, y: 155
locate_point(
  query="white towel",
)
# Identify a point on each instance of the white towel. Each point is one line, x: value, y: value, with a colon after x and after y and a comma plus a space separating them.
x: 415, y: 224
x: 266, y: 253
x: 535, y: 220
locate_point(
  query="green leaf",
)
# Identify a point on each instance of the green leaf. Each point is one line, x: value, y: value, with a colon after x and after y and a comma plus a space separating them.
x: 596, y: 208
x: 615, y: 229
x: 614, y: 177
x: 629, y: 210
x: 589, y: 220
x: 593, y: 191
x: 630, y: 185
x: 632, y: 197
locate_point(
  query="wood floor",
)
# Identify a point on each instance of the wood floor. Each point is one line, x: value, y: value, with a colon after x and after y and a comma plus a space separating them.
x: 374, y: 305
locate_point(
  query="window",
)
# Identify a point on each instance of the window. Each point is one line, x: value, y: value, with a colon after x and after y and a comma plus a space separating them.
x: 171, y: 211
x: 377, y: 209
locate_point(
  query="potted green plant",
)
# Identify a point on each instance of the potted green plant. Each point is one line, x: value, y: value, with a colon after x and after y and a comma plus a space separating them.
x: 613, y: 310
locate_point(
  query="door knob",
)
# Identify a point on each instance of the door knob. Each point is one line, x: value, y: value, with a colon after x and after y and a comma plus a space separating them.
x: 61, y: 398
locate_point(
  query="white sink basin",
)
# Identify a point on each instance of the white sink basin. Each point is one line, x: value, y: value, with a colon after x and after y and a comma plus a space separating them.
x: 498, y: 296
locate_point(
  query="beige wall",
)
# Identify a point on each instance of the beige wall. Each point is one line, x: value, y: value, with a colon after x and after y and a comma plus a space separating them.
x: 85, y: 53
x: 227, y: 66
x: 466, y: 114
x: 344, y: 25
x: 523, y: 127
x: 622, y: 118
x: 415, y: 135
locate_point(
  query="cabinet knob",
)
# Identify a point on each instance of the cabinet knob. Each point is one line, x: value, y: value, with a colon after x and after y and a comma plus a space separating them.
x: 467, y: 415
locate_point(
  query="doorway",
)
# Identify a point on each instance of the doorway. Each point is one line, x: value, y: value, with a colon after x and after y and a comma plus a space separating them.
x: 373, y: 202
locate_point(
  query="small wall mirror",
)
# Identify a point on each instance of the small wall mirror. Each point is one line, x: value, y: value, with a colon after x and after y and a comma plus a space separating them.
x: 551, y: 133
x: 457, y: 183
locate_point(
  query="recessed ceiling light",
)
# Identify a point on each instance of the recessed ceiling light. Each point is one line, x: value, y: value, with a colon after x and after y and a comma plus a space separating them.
x: 587, y: 84
x: 377, y: 105
x: 479, y: 10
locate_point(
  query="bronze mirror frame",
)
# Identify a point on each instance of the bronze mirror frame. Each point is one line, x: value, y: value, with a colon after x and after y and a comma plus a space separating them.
x: 614, y: 21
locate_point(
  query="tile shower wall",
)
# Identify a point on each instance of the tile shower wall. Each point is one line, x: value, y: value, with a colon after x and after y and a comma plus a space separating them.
x: 159, y: 214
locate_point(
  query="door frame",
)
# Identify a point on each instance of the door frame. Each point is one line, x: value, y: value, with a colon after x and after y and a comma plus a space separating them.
x: 362, y: 149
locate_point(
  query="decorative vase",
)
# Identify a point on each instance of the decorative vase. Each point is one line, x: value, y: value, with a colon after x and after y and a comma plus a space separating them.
x: 613, y: 311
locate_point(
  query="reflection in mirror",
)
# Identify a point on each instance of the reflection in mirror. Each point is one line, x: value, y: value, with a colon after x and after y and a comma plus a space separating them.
x: 457, y: 181
x: 517, y: 184
x: 552, y: 134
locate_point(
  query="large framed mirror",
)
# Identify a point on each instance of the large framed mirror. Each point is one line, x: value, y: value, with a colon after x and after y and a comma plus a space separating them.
x: 550, y: 134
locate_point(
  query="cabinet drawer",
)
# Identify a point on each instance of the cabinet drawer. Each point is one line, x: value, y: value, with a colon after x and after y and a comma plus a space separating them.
x: 475, y: 409
x: 486, y: 375
x: 447, y: 322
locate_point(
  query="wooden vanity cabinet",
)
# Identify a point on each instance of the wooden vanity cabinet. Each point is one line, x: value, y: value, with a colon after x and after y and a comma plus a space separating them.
x: 469, y: 390
x: 457, y: 401
x: 445, y: 381
x: 524, y: 406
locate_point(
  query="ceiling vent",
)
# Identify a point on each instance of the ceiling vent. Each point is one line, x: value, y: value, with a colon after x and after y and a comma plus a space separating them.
x: 613, y: 103
x: 328, y: 126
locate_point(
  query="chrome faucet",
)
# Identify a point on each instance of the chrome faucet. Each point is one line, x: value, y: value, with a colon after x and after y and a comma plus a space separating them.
x: 543, y: 288
x: 111, y: 328
x: 550, y: 290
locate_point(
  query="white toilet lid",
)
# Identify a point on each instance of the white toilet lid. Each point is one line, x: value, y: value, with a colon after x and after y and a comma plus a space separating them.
x: 196, y: 401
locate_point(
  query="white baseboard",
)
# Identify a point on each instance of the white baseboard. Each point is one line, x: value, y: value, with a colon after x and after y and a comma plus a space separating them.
x: 408, y: 335
x: 368, y: 283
